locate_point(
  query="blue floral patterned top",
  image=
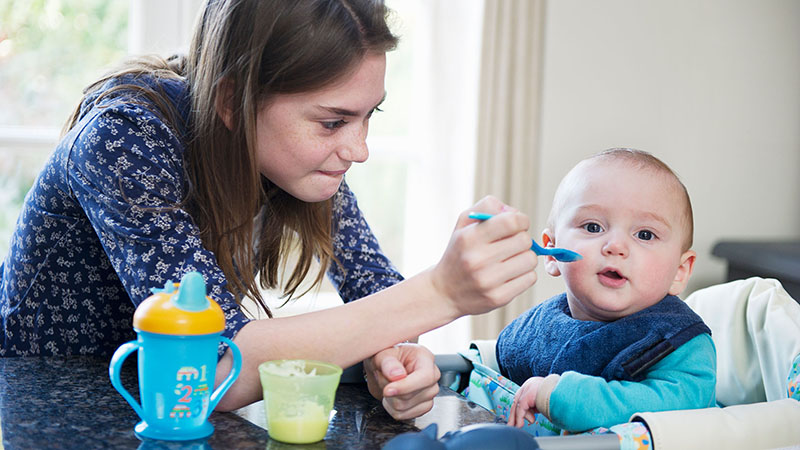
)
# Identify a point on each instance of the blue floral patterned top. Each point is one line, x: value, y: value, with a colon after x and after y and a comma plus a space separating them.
x: 82, y: 258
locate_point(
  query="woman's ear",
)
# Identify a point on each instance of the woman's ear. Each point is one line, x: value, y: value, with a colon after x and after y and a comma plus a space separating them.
x: 684, y: 272
x: 223, y: 103
x: 550, y: 263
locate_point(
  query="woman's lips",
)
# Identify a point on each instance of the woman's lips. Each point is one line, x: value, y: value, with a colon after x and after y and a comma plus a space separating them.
x: 611, y: 278
x: 333, y: 173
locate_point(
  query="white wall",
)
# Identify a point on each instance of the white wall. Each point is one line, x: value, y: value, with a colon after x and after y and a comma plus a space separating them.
x: 711, y: 87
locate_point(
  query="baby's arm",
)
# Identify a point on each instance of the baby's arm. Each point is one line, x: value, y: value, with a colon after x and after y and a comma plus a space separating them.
x: 685, y: 379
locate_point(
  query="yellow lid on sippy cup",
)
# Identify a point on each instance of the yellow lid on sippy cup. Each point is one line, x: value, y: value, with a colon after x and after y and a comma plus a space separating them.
x: 180, y: 309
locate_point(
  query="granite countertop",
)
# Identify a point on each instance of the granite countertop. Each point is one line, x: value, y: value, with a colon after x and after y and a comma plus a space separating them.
x: 69, y: 402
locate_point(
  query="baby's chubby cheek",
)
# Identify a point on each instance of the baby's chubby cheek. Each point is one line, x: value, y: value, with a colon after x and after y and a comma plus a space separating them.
x: 575, y: 273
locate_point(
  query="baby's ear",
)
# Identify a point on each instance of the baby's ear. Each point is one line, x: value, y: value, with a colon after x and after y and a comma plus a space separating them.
x: 684, y: 272
x: 550, y: 263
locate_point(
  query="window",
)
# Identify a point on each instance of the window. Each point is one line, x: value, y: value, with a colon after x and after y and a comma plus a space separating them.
x: 425, y: 140
x: 420, y: 172
x: 49, y: 51
x: 419, y: 175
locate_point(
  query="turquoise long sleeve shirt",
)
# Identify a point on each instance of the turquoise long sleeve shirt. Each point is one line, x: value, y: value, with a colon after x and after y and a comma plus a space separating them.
x: 685, y: 379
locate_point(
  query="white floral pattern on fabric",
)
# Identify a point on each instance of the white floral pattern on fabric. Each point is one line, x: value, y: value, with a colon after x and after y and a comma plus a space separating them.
x: 99, y: 228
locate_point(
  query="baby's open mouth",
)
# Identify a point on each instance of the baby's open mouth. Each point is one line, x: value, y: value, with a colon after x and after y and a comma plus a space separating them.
x: 613, y: 274
x: 612, y: 279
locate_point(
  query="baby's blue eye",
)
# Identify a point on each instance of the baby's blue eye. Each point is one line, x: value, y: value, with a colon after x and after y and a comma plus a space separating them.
x: 593, y: 227
x: 645, y: 235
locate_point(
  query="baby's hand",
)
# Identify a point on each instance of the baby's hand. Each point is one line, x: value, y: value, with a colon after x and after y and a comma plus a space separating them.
x: 524, y: 406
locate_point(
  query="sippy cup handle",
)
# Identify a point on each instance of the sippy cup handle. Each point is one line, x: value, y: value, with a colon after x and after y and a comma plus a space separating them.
x: 216, y: 396
x: 114, y: 370
x: 129, y: 347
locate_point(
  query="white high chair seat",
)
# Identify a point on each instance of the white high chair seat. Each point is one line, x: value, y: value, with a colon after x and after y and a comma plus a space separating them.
x: 755, y: 326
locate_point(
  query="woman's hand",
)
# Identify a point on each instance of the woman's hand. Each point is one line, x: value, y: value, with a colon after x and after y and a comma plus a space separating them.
x: 405, y: 378
x: 486, y: 264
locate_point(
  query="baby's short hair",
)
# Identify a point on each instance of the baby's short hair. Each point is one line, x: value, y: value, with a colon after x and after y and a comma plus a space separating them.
x: 640, y: 160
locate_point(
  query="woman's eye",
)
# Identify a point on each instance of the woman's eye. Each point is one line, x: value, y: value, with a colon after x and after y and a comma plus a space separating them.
x: 374, y: 110
x: 593, y: 227
x: 334, y: 124
x: 645, y: 235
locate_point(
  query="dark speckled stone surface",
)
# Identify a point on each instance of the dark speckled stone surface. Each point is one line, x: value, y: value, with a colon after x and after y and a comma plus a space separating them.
x: 69, y: 402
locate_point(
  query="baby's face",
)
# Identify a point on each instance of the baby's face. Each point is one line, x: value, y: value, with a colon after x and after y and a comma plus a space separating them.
x: 627, y: 224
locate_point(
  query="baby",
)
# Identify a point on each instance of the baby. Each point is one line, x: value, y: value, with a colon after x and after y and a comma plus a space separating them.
x: 618, y: 341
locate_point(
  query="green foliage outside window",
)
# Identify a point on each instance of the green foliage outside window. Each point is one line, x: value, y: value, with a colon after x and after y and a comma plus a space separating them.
x: 49, y: 51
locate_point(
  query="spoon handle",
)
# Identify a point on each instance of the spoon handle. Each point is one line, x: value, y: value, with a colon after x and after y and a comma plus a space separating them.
x: 560, y: 254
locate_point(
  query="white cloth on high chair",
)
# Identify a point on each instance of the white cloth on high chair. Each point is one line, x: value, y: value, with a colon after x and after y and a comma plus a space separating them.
x: 755, y: 326
x: 765, y: 425
x: 487, y: 352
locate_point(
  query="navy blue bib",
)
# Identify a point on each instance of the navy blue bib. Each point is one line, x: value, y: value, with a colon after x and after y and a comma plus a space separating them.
x: 546, y: 339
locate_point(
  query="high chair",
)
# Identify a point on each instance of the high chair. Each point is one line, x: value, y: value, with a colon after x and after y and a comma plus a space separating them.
x: 755, y: 326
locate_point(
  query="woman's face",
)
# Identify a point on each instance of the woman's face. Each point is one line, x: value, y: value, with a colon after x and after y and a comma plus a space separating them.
x: 306, y: 142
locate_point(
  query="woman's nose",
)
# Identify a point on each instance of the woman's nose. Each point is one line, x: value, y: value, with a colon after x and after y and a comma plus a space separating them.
x: 354, y: 148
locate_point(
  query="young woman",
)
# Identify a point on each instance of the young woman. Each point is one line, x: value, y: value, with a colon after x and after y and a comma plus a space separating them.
x: 224, y: 162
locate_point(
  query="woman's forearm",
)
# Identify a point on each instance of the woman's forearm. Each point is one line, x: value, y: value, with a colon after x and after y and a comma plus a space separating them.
x: 344, y: 335
x: 484, y: 267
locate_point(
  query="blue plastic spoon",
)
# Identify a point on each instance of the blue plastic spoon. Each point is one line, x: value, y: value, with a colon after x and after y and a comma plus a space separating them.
x: 560, y: 254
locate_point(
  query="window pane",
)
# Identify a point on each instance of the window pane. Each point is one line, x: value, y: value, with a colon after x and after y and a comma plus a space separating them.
x: 50, y: 50
x: 380, y: 184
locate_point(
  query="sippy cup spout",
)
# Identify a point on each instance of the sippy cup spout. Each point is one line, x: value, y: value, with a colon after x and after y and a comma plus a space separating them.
x: 180, y: 310
x: 191, y: 294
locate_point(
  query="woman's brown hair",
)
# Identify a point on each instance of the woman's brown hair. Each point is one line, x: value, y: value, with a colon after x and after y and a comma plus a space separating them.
x: 243, y: 53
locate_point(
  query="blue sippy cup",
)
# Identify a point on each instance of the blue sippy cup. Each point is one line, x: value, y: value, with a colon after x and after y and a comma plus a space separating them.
x: 178, y: 331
